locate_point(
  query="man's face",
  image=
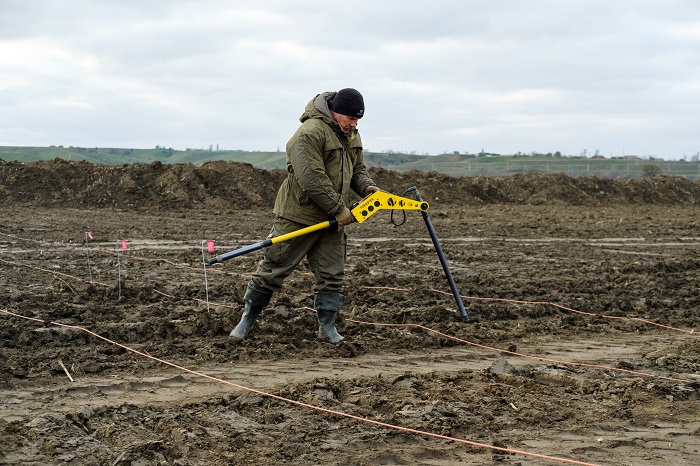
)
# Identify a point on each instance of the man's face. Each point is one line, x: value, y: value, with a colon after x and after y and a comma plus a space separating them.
x: 347, y: 123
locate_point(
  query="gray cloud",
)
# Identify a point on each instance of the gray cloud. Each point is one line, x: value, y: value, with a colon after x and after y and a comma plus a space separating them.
x: 503, y: 76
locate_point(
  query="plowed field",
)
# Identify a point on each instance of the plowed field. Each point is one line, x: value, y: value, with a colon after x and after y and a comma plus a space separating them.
x: 581, y: 345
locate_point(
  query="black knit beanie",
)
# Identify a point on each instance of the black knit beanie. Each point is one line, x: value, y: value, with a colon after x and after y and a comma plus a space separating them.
x: 348, y: 102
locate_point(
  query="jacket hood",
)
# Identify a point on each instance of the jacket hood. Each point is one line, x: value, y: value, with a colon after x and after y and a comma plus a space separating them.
x: 318, y: 108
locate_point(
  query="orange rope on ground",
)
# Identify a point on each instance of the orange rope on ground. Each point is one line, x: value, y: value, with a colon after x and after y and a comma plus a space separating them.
x: 79, y: 248
x: 491, y: 348
x: 195, y: 299
x: 386, y: 288
x: 643, y: 374
x: 53, y: 272
x: 515, y: 301
x: 471, y: 343
x: 475, y: 298
x: 301, y: 404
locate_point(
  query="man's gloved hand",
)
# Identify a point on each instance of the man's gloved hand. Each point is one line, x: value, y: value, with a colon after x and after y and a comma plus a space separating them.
x: 370, y: 189
x: 344, y: 217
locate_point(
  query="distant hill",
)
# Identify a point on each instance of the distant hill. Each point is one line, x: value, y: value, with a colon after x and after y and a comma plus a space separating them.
x: 455, y: 164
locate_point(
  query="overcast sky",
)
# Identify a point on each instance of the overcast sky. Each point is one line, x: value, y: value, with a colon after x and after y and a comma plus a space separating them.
x: 503, y: 76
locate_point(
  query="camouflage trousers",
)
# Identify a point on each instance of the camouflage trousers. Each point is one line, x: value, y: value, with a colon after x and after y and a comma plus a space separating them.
x: 324, y: 250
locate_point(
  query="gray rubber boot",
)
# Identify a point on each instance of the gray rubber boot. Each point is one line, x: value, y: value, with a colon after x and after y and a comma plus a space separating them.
x: 255, y: 299
x: 327, y: 306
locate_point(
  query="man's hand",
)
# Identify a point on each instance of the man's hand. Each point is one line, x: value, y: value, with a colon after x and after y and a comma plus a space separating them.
x: 344, y: 217
x: 369, y: 190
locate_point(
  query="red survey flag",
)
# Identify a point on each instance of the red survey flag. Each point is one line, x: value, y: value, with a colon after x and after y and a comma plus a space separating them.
x: 210, y: 245
x: 124, y: 245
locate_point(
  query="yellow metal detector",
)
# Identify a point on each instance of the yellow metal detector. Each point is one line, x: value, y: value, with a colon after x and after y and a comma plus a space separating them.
x: 383, y: 200
x: 363, y: 210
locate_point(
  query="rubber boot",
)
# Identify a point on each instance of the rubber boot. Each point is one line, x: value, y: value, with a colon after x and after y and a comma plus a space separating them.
x: 327, y: 306
x: 255, y: 299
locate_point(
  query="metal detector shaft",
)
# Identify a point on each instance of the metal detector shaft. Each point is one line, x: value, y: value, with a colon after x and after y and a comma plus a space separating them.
x: 270, y: 241
x: 441, y: 255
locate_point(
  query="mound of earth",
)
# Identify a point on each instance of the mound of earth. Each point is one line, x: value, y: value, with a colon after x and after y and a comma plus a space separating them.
x: 235, y: 185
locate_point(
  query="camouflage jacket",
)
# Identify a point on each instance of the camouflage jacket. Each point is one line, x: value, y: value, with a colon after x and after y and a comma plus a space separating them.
x: 324, y: 165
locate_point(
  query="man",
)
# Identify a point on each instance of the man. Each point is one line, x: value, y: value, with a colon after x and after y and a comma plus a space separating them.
x: 325, y: 162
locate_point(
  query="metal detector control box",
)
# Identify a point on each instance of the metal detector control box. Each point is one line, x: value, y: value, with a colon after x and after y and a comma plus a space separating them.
x: 383, y: 200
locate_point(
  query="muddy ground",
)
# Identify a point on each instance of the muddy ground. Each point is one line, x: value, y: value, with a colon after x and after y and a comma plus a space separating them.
x: 582, y: 341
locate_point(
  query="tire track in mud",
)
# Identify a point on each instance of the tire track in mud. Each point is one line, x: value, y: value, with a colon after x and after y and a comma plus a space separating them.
x: 166, y: 386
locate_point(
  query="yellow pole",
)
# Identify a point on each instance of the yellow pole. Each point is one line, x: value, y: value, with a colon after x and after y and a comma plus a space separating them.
x: 269, y: 242
x: 301, y: 232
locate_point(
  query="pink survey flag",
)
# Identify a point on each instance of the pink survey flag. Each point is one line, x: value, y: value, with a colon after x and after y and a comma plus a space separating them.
x: 89, y: 233
x: 124, y: 245
x: 210, y: 245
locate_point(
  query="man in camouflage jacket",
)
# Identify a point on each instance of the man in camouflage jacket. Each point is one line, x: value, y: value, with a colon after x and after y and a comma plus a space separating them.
x: 325, y: 163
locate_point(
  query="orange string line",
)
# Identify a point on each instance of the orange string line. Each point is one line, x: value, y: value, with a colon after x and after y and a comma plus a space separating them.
x: 538, y: 358
x: 299, y: 403
x: 638, y: 319
x: 638, y: 373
